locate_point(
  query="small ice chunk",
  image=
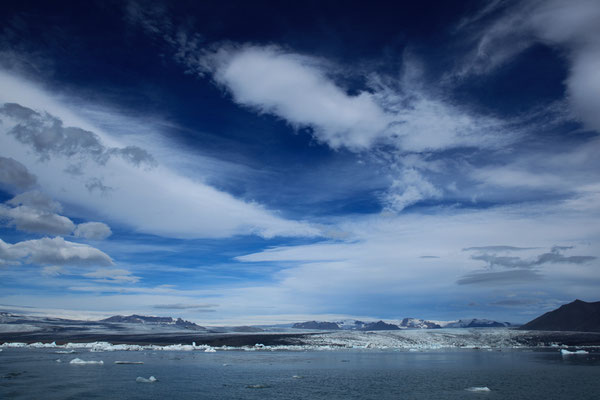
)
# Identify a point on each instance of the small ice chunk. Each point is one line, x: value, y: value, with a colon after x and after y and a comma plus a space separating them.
x: 59, y: 360
x: 210, y: 350
x: 569, y: 353
x: 258, y: 386
x: 140, y: 379
x: 79, y: 361
x: 297, y: 377
x: 65, y: 352
x: 129, y: 362
x: 478, y: 389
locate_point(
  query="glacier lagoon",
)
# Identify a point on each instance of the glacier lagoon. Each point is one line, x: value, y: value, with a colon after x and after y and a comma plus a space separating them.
x: 522, y: 373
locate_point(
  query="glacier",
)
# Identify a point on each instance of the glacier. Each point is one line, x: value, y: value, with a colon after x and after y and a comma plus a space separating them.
x: 401, y: 340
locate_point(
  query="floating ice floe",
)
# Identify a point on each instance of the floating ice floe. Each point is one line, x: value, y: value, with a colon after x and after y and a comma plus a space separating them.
x: 297, y: 377
x: 571, y: 353
x: 79, y: 361
x: 210, y: 350
x: 140, y: 379
x: 478, y: 389
x: 129, y: 362
x: 258, y: 386
x: 65, y: 352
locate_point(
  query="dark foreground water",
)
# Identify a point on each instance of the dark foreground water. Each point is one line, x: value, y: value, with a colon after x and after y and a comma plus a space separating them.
x: 35, y: 374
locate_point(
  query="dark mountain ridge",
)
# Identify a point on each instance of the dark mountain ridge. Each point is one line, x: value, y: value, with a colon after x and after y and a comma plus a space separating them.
x: 143, y: 319
x: 578, y: 316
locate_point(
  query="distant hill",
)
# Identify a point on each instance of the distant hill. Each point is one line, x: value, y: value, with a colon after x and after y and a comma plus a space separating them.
x: 143, y: 319
x: 380, y: 326
x: 316, y: 325
x: 578, y: 316
x: 477, y: 323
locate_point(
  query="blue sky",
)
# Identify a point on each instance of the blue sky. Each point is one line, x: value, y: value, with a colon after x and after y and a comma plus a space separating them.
x: 254, y: 162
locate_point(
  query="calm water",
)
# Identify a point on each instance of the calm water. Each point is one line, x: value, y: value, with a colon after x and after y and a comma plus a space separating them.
x: 35, y: 374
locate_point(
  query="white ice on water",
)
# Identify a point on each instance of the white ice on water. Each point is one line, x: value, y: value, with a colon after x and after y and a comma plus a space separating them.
x: 79, y: 361
x: 478, y: 389
x: 140, y: 379
x: 129, y: 362
x: 570, y: 353
x: 405, y: 340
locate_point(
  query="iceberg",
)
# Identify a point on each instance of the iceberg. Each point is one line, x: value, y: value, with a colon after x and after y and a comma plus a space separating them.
x: 570, y: 353
x: 478, y: 389
x: 79, y: 361
x: 210, y: 350
x: 140, y: 379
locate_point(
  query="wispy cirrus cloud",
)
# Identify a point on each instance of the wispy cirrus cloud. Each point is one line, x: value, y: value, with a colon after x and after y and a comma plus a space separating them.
x: 195, y: 209
x: 571, y: 26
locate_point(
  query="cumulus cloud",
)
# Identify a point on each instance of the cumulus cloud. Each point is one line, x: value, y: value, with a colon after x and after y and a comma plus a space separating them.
x: 30, y: 219
x: 54, y: 252
x: 47, y: 136
x: 35, y: 199
x: 570, y: 25
x: 15, y: 174
x: 36, y: 212
x: 93, y: 230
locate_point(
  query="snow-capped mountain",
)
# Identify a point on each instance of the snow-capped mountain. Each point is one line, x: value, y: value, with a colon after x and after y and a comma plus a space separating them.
x: 146, y: 320
x: 476, y: 323
x: 416, y: 323
x: 406, y: 323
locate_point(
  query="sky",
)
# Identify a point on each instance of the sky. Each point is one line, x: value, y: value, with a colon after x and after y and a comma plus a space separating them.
x: 234, y: 162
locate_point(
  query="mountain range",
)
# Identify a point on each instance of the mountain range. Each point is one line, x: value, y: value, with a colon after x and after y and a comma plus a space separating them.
x: 146, y: 320
x: 406, y: 323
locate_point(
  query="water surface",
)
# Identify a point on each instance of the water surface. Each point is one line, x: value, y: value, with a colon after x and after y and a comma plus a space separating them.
x: 352, y: 374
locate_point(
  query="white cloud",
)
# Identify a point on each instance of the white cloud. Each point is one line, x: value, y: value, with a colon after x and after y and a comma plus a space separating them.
x: 297, y: 89
x: 409, y: 188
x: 35, y: 199
x: 302, y: 91
x: 30, y: 219
x: 53, y: 252
x: 383, y: 255
x: 173, y: 205
x: 112, y: 275
x: 93, y: 230
x: 13, y: 173
x: 570, y: 25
